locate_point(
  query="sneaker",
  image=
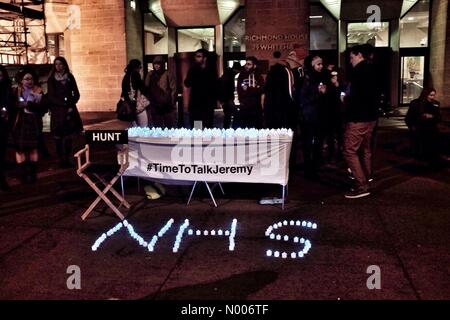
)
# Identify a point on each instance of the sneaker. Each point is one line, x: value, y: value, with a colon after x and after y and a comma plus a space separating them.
x: 265, y: 201
x: 350, y: 174
x: 358, y: 193
x: 151, y: 193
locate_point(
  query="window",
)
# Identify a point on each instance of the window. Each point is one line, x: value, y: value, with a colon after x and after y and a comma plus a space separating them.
x: 189, y: 40
x: 414, y: 26
x: 374, y: 33
x: 323, y: 29
x: 156, y: 36
x: 55, y: 45
x: 234, y: 33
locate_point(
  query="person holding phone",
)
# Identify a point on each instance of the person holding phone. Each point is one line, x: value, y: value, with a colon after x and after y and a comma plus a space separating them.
x: 26, y: 126
x: 312, y: 105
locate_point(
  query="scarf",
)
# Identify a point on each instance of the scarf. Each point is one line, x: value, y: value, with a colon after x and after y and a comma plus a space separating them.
x: 63, y: 78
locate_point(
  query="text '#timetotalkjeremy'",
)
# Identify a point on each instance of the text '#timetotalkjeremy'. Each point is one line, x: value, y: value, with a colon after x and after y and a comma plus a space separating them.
x: 199, y: 169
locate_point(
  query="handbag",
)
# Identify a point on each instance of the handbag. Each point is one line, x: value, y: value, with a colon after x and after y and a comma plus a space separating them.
x: 125, y: 110
x: 141, y: 102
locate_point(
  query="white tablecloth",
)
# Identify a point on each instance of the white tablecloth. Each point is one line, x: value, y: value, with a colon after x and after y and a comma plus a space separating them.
x: 218, y: 159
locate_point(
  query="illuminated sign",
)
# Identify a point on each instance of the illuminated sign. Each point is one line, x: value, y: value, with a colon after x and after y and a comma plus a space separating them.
x: 231, y: 234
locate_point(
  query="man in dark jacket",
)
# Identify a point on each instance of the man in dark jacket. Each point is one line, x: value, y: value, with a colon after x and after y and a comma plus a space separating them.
x: 227, y: 88
x: 361, y: 116
x: 279, y: 105
x: 250, y: 88
x: 161, y: 89
x: 203, y: 81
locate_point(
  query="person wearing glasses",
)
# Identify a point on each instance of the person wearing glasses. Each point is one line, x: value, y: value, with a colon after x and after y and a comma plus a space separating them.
x: 63, y: 96
x: 26, y: 124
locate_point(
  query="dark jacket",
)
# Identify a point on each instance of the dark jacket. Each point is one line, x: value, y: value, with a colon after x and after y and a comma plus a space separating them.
x: 250, y: 88
x: 312, y: 101
x: 161, y: 89
x: 7, y: 102
x: 204, y: 88
x: 415, y: 119
x: 136, y: 84
x: 362, y: 101
x: 27, y: 120
x: 227, y: 85
x: 61, y: 100
x: 279, y: 107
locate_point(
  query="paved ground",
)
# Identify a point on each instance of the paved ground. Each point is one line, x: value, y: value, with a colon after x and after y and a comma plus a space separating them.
x: 403, y: 228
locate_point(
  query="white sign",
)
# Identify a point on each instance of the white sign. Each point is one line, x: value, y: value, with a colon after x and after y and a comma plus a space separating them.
x: 259, y: 159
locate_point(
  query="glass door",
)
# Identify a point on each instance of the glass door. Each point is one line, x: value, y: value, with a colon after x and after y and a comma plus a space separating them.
x: 412, y: 77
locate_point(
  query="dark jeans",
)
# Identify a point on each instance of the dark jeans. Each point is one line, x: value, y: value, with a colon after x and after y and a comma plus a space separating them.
x: 248, y: 117
x: 167, y: 120
x: 312, y: 147
x: 426, y: 143
x: 358, y: 150
x: 3, y: 144
x: 205, y: 115
x: 228, y: 112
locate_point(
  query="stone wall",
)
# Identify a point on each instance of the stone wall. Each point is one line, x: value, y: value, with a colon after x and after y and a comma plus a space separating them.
x: 440, y: 51
x: 98, y: 53
x: 273, y: 25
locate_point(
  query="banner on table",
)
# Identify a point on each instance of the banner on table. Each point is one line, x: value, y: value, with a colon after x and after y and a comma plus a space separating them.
x: 215, y: 159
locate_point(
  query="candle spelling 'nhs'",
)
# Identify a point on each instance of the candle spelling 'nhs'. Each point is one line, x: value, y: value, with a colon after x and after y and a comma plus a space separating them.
x: 230, y: 234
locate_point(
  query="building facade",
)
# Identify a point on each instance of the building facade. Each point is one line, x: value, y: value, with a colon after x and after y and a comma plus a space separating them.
x: 98, y: 37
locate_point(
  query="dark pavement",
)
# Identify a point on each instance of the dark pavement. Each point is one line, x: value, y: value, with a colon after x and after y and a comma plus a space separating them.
x: 403, y: 228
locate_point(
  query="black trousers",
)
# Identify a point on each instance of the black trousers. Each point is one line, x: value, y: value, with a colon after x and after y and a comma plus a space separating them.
x: 228, y: 112
x: 4, y: 132
x: 312, y: 147
x: 205, y: 115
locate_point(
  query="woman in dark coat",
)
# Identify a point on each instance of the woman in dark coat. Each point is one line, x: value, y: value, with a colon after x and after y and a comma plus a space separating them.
x: 26, y: 128
x: 422, y: 120
x: 63, y: 95
x: 313, y: 101
x: 132, y: 83
x: 6, y: 105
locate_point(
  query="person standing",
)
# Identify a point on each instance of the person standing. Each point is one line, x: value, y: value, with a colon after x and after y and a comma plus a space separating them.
x: 6, y: 105
x: 250, y: 89
x: 361, y: 116
x: 132, y: 86
x: 422, y: 120
x: 65, y: 121
x: 25, y: 124
x: 333, y: 128
x: 227, y: 89
x: 279, y: 95
x: 161, y: 88
x: 202, y: 80
x: 313, y: 102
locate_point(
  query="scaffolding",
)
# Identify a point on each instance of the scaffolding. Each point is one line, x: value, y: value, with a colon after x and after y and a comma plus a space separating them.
x: 23, y: 38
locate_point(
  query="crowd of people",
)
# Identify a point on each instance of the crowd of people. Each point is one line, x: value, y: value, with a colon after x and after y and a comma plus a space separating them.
x: 302, y: 94
x: 332, y: 118
x: 22, y: 109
